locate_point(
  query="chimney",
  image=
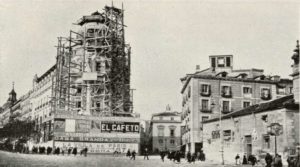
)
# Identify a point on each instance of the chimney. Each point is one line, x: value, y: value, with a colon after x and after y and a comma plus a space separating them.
x: 276, y: 78
x: 197, y: 68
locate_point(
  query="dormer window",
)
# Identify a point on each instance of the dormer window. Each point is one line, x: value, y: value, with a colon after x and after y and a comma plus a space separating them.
x: 265, y: 94
x: 226, y: 91
x: 221, y: 62
x: 205, y: 90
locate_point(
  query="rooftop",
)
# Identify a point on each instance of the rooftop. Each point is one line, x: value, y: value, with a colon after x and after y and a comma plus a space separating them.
x: 283, y: 102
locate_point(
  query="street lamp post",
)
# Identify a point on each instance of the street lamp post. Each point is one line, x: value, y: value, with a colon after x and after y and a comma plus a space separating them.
x: 275, y: 129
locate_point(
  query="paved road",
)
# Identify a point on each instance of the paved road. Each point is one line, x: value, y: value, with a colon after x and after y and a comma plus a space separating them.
x: 28, y: 160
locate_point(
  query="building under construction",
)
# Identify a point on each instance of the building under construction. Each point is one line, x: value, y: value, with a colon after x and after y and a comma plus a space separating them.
x: 93, y: 67
x: 91, y: 103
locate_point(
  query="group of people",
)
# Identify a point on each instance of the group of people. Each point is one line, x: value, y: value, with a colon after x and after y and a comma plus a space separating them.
x: 58, y: 151
x: 131, y: 155
x: 270, y: 161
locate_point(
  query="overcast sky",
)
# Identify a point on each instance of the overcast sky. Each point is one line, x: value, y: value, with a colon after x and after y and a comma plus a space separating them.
x: 168, y: 39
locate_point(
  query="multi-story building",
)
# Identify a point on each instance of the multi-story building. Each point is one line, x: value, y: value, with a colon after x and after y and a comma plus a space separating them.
x: 26, y: 106
x: 84, y: 99
x: 220, y: 89
x: 6, y: 110
x: 271, y: 127
x: 165, y: 131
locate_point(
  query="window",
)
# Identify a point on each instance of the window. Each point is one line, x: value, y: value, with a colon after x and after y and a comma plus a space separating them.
x: 226, y: 91
x: 204, y: 88
x: 228, y: 62
x: 221, y: 62
x: 247, y: 90
x: 266, y: 141
x: 246, y: 104
x: 172, y: 118
x: 172, y: 132
x: 160, y: 131
x: 204, y: 104
x: 213, y: 62
x: 78, y: 91
x: 78, y: 104
x: 265, y: 94
x: 160, y: 118
x: 172, y: 142
x: 98, y: 66
x: 226, y: 106
x: 281, y: 90
x: 98, y: 104
x: 290, y: 90
x: 161, y: 141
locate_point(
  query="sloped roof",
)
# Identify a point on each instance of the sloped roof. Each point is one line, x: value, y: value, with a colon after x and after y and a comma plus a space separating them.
x: 283, y: 102
x: 167, y: 114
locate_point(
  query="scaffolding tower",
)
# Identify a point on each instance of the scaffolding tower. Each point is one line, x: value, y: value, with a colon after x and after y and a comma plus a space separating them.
x: 93, y: 68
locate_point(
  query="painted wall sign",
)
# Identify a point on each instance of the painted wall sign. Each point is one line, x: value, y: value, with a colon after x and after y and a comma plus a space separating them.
x: 99, y: 147
x: 122, y: 127
x: 96, y: 139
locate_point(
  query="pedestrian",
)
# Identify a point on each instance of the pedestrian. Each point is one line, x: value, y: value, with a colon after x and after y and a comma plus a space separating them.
x: 268, y: 160
x: 85, y: 151
x: 198, y: 156
x: 133, y: 155
x: 128, y: 154
x: 252, y: 159
x: 237, y: 159
x: 193, y: 159
x: 162, y: 155
x: 291, y: 161
x: 69, y: 150
x: 178, y: 156
x: 189, y: 156
x: 146, y: 154
x: 245, y: 161
x: 57, y: 150
x: 277, y: 161
x: 74, y: 151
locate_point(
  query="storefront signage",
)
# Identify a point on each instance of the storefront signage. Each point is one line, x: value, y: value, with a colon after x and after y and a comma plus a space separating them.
x: 99, y: 147
x: 122, y: 127
x: 96, y: 139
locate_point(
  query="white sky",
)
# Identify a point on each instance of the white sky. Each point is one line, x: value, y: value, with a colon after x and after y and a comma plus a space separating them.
x: 168, y: 39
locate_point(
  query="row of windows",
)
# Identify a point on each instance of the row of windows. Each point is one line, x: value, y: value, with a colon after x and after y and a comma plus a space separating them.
x: 226, y: 91
x: 161, y: 141
x: 226, y: 105
x: 161, y: 132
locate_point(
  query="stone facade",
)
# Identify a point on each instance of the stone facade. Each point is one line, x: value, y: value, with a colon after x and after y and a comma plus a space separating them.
x: 215, y: 90
x: 165, y: 131
x: 246, y: 134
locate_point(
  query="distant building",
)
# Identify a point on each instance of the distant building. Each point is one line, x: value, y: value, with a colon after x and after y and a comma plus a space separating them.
x: 220, y: 89
x: 165, y: 131
x: 6, y: 110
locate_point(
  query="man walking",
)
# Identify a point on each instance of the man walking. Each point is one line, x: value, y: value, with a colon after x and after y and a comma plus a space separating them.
x: 146, y: 154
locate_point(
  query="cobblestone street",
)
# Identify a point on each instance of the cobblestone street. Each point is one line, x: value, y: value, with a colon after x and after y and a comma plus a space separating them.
x: 26, y: 160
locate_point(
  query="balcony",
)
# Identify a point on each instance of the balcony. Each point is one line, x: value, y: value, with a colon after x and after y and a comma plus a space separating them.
x: 226, y: 94
x: 206, y: 110
x: 226, y: 111
x: 206, y: 94
x: 266, y: 96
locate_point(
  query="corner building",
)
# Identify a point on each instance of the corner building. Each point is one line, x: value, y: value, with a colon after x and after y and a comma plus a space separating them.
x: 220, y: 90
x: 165, y: 129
